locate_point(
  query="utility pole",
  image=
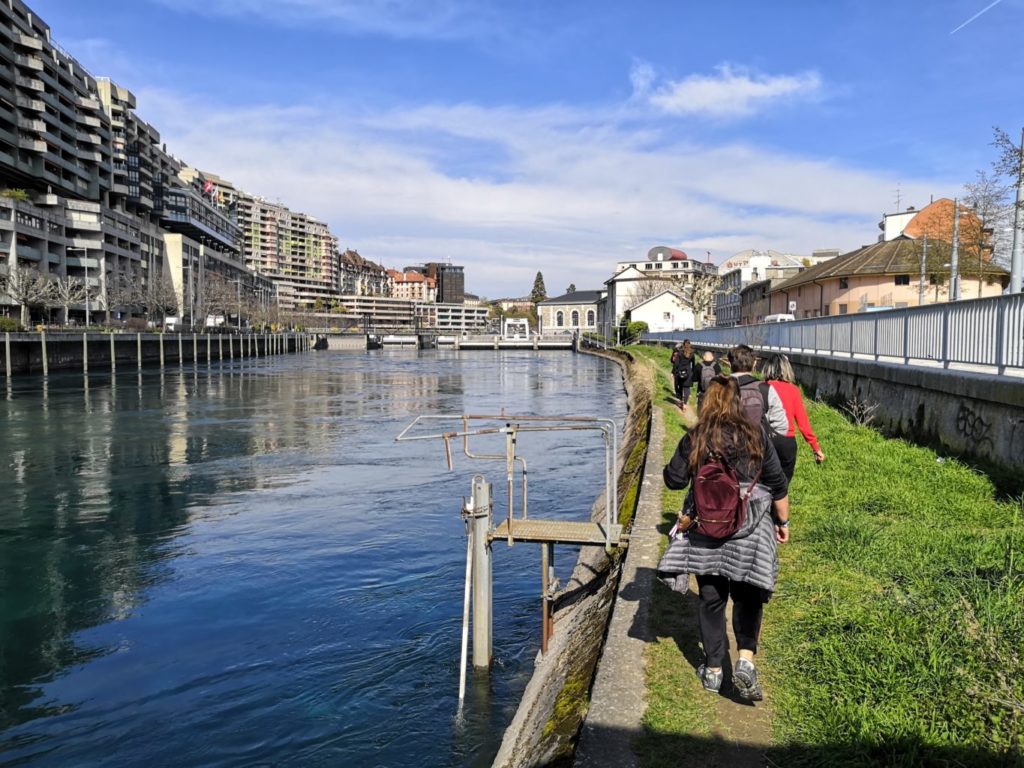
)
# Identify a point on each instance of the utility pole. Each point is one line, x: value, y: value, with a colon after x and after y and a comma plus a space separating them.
x: 954, y: 262
x: 921, y: 288
x: 1017, y: 258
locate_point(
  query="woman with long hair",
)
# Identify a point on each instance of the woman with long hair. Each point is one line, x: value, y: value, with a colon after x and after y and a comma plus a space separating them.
x: 743, y: 566
x: 778, y: 372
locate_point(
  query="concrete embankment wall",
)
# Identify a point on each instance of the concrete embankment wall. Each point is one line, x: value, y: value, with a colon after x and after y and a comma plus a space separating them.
x: 554, y: 703
x: 979, y: 417
x: 22, y: 353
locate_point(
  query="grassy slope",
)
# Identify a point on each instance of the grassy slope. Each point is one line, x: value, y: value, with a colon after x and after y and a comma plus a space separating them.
x: 897, y: 631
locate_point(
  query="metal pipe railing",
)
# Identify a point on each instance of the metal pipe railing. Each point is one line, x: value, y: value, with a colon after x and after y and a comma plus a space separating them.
x: 985, y: 334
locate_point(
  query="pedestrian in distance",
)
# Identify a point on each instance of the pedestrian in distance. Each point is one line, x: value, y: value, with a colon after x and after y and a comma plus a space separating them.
x: 684, y: 369
x: 706, y: 371
x: 778, y: 372
x: 761, y: 403
x: 743, y: 564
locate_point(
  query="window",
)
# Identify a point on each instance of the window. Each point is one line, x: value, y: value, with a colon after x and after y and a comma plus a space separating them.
x: 590, y: 317
x: 648, y: 265
x: 575, y: 319
x: 902, y: 279
x: 666, y: 315
x: 844, y: 282
x: 559, y: 318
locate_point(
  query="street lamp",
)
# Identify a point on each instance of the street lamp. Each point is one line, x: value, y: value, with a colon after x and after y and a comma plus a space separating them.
x: 88, y: 288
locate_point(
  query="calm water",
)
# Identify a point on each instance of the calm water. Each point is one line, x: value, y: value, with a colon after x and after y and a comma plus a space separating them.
x: 239, y: 566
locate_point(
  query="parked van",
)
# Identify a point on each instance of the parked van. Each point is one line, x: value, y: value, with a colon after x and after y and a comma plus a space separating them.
x: 779, y: 318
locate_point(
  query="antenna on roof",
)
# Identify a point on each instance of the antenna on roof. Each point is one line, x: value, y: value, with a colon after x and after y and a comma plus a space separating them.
x: 899, y: 197
x: 709, y: 256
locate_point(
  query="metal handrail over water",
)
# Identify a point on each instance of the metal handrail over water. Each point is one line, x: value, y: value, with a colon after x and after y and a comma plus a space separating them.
x: 480, y: 529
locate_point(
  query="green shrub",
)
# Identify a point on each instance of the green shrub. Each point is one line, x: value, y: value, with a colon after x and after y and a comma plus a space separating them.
x: 637, y: 327
x: 9, y: 325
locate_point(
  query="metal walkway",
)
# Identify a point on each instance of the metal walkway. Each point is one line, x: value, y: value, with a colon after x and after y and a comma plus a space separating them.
x: 559, y: 532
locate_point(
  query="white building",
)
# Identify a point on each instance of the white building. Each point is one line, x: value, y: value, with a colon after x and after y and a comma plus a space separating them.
x: 667, y: 311
x: 744, y: 268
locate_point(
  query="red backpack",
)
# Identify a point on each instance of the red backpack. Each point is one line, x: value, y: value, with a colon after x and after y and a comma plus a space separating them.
x: 719, y: 499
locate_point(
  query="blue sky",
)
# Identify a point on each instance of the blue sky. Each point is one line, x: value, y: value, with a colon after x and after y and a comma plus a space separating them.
x: 566, y: 136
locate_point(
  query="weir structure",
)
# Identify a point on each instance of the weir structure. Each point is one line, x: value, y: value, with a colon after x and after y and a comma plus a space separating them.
x: 481, y: 529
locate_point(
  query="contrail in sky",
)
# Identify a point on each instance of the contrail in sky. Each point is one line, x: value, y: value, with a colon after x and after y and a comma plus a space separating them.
x: 986, y: 8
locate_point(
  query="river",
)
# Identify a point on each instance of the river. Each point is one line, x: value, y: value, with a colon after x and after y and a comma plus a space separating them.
x: 236, y: 564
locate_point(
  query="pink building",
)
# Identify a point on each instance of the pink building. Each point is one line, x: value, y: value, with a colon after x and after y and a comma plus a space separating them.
x: 413, y: 286
x: 885, y: 274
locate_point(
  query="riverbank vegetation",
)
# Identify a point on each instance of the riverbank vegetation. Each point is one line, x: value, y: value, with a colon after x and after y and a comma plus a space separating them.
x: 894, y: 637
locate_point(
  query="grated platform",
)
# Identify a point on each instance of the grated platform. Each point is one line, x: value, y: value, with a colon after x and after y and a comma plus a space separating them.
x: 558, y: 532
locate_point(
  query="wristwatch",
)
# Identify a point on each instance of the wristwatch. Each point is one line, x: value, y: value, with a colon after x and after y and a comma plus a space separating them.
x: 783, y: 523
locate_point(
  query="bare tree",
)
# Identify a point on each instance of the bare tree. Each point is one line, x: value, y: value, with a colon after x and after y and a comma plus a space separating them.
x: 646, y: 289
x: 988, y: 196
x: 27, y: 288
x: 159, y: 297
x: 702, y: 291
x: 219, y: 295
x: 124, y: 293
x: 66, y: 291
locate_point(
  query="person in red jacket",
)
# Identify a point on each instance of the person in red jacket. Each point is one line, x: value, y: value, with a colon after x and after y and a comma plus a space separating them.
x: 778, y: 372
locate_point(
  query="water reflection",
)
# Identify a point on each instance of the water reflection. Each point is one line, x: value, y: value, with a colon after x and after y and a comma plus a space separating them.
x: 187, y: 550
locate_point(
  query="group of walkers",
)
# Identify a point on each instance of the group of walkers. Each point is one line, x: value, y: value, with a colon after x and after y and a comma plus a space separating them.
x: 737, y: 462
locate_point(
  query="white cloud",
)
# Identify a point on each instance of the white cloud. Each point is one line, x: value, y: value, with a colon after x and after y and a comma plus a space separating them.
x: 395, y: 18
x: 507, y: 191
x: 732, y: 92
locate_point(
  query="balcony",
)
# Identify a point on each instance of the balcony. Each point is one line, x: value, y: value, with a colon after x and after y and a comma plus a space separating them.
x: 32, y: 145
x: 30, y: 82
x: 29, y: 41
x: 33, y: 104
x: 29, y: 124
x: 29, y: 62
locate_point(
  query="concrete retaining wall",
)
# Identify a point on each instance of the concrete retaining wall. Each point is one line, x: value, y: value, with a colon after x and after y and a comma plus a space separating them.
x: 554, y: 703
x: 979, y: 417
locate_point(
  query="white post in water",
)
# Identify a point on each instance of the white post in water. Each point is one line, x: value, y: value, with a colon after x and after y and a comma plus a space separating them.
x: 481, y: 573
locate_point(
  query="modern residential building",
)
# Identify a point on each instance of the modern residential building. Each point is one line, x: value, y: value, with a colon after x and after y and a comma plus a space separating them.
x: 451, y: 282
x: 570, y: 312
x: 744, y: 268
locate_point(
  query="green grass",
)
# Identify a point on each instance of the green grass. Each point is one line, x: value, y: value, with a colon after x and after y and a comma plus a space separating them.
x: 896, y: 634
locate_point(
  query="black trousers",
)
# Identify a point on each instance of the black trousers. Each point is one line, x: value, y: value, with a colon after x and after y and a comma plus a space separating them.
x: 683, y: 385
x: 747, y: 609
x: 786, y: 448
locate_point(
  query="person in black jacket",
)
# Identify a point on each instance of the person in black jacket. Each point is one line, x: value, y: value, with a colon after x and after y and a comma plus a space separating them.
x: 684, y: 369
x: 745, y: 565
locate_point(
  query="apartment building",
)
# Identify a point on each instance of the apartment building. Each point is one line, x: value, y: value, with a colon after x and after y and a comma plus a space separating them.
x: 413, y: 286
x: 362, y: 277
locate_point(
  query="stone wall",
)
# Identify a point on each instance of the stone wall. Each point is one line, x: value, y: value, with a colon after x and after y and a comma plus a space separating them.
x: 554, y: 703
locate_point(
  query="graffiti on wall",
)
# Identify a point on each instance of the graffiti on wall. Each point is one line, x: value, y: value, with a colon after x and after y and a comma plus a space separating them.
x: 973, y: 427
x: 1017, y: 440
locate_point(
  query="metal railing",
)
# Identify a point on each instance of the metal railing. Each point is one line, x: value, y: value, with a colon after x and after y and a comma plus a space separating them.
x: 976, y: 334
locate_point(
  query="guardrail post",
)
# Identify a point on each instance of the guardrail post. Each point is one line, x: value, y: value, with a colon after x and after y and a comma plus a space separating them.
x: 906, y: 338
x: 181, y: 350
x: 7, y: 353
x: 113, y: 355
x: 138, y: 350
x: 1001, y: 313
x: 482, y: 615
x: 161, y: 350
x: 46, y: 359
x: 85, y: 353
x: 945, y: 337
x: 876, y: 339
